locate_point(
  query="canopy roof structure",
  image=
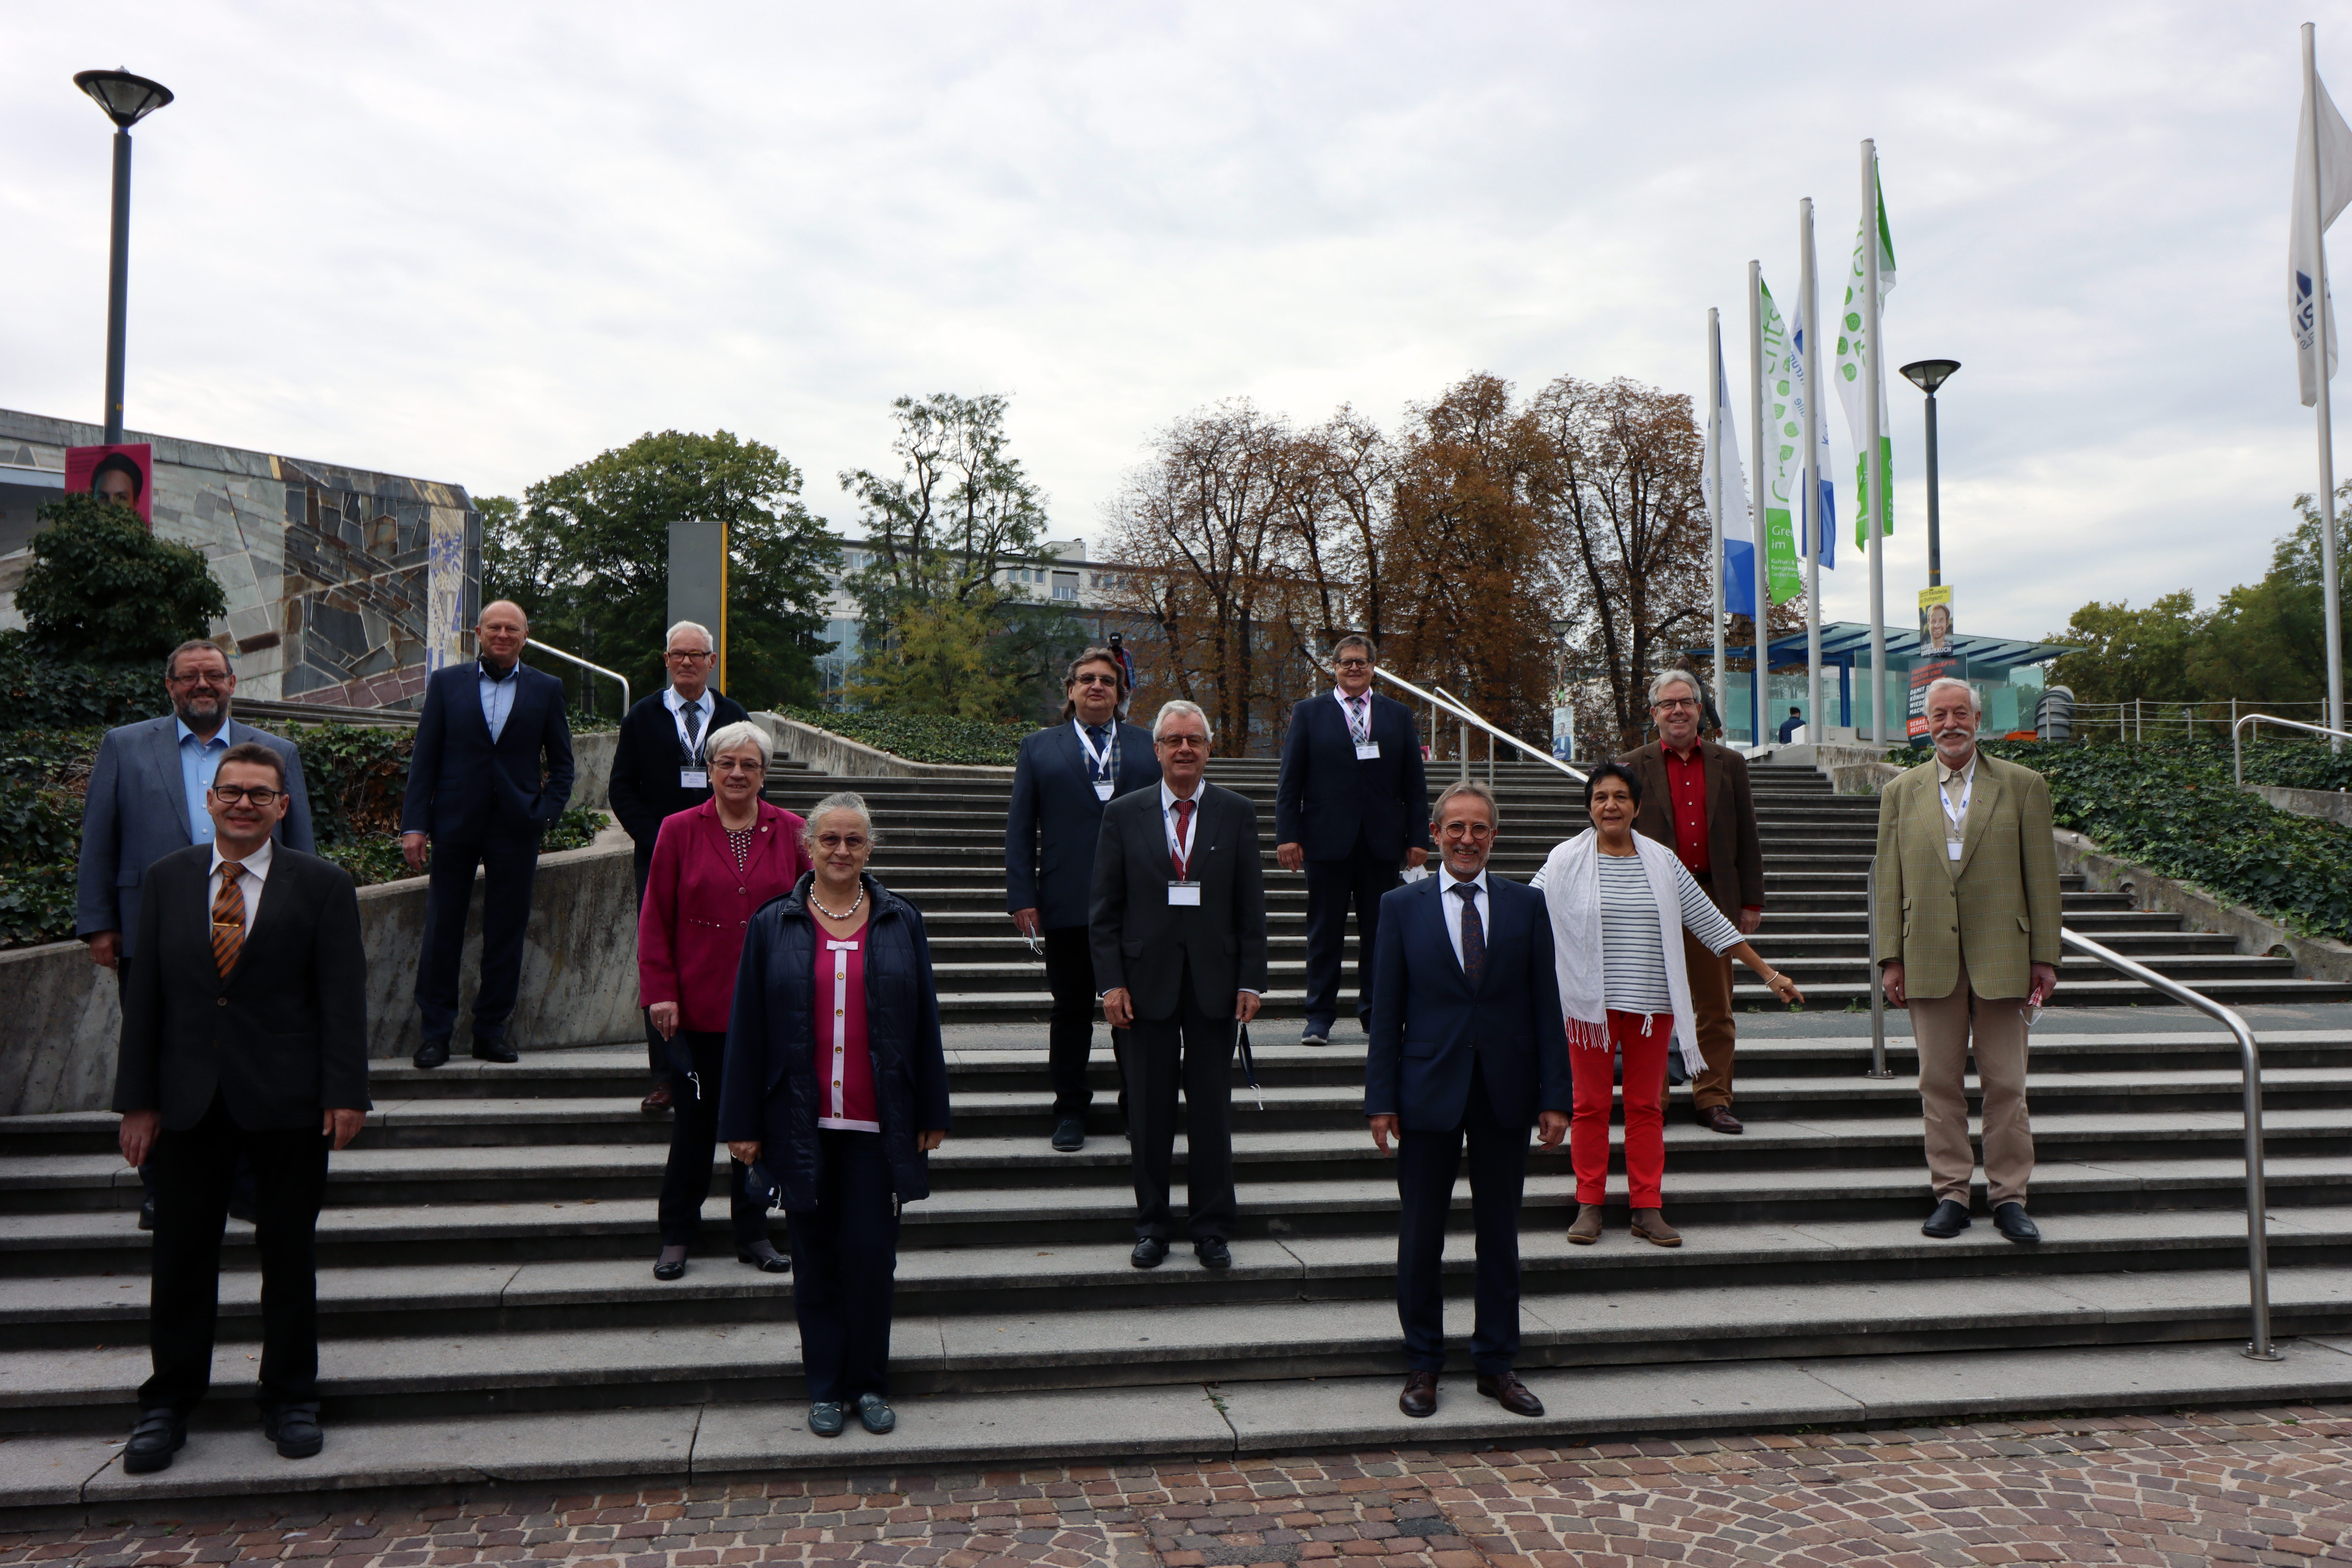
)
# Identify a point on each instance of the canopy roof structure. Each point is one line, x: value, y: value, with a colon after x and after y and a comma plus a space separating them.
x: 1847, y: 644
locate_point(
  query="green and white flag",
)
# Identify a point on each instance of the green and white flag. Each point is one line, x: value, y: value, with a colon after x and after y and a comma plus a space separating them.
x: 1848, y: 380
x: 1783, y: 457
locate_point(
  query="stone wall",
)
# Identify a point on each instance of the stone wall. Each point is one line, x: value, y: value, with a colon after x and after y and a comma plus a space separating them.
x: 2328, y: 805
x: 2315, y: 958
x: 578, y: 981
x: 839, y: 755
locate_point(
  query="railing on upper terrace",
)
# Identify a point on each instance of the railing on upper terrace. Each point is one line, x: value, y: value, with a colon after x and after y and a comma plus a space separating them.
x: 2237, y: 744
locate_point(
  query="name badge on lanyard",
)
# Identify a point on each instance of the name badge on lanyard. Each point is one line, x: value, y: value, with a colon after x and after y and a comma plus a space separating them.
x: 1183, y: 895
x: 693, y: 778
x: 1368, y: 751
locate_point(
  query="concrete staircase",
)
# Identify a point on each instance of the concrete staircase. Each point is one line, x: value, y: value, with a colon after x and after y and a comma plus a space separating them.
x: 488, y: 1312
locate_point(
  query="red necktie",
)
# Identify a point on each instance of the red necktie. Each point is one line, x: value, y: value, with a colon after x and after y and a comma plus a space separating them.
x: 1182, y: 856
x: 228, y: 919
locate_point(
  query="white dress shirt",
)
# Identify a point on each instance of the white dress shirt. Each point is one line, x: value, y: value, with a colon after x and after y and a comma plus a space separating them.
x: 680, y: 708
x: 248, y: 887
x: 1168, y: 799
x: 1452, y: 902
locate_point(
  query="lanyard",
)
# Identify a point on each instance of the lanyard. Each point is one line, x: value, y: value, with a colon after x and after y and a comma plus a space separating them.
x: 1097, y: 762
x: 690, y: 745
x: 1959, y: 813
x: 1180, y: 848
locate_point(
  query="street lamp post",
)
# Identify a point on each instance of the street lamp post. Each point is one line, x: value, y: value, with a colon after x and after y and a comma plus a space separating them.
x: 1928, y: 375
x: 126, y: 99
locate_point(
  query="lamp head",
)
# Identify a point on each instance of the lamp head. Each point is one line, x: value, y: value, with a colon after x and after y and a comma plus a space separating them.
x: 126, y: 98
x: 1928, y: 375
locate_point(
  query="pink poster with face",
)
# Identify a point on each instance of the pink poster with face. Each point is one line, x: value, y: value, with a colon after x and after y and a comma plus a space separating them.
x: 124, y: 473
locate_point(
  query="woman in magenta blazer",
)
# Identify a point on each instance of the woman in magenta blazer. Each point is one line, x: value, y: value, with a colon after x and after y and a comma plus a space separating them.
x: 713, y: 865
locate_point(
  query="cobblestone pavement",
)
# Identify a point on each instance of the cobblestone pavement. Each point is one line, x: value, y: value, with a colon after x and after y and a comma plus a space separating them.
x: 2267, y: 1486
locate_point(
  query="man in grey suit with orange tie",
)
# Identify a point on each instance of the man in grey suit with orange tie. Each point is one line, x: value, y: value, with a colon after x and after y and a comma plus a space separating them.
x: 1468, y: 1047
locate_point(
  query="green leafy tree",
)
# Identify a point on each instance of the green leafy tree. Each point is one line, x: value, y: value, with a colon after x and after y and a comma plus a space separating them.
x: 586, y: 553
x: 938, y: 662
x: 103, y: 589
x: 2142, y: 653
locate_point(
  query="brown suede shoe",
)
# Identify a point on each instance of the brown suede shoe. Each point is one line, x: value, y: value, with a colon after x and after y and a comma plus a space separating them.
x: 1651, y: 1225
x: 1587, y: 1228
x: 1718, y: 1118
x: 1419, y: 1395
x: 1506, y: 1389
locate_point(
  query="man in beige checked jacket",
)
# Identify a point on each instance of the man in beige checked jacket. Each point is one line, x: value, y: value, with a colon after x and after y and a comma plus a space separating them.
x: 1968, y: 907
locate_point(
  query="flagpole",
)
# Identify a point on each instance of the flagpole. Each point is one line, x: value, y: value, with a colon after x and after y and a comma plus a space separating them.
x: 1873, y: 459
x: 2330, y: 590
x: 1758, y: 578
x: 1715, y: 502
x: 1807, y: 295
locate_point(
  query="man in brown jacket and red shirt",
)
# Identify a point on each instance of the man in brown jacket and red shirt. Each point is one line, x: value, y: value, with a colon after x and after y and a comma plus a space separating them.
x: 1695, y: 799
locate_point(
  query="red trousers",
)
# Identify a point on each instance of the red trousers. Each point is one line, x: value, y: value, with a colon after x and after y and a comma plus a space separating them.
x: 1643, y: 1039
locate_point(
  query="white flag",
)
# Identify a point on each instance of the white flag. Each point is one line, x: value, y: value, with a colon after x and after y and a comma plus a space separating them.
x: 1725, y: 456
x: 1848, y: 377
x: 1820, y: 514
x: 2333, y: 187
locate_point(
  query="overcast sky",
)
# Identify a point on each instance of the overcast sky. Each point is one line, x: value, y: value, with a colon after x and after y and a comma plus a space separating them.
x: 481, y: 243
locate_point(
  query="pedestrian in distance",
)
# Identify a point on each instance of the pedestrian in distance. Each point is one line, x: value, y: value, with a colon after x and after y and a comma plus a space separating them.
x: 661, y: 767
x: 1695, y: 799
x: 244, y: 1032
x: 714, y: 866
x: 148, y: 795
x: 1179, y: 934
x: 1351, y: 807
x: 1620, y: 904
x: 491, y: 768
x: 1791, y: 724
x: 1064, y: 778
x: 835, y: 1086
x: 1968, y: 912
x: 1468, y: 1049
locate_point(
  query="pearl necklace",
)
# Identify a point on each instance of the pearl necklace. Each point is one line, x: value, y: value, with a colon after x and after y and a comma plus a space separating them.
x: 854, y: 904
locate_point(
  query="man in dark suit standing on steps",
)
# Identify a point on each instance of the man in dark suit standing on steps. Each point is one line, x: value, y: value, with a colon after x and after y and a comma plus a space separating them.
x: 1467, y: 1046
x: 1697, y: 801
x: 244, y: 1032
x: 1351, y: 805
x: 477, y: 793
x: 661, y: 767
x: 1062, y: 780
x: 1179, y: 936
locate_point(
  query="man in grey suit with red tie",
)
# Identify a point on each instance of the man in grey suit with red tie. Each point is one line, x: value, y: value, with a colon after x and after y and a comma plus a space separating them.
x: 1468, y: 1047
x: 1348, y: 809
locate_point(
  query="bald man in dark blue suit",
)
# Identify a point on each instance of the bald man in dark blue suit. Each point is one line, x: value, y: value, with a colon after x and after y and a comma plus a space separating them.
x: 1468, y: 1047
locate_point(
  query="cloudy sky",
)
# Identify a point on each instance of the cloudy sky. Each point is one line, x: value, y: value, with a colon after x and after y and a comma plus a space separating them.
x: 483, y: 242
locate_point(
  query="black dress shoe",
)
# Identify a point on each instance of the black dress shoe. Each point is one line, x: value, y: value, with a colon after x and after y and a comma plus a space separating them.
x: 670, y: 1265
x: 1148, y: 1253
x: 1069, y: 1135
x: 1950, y: 1218
x: 494, y: 1051
x: 2011, y: 1221
x: 294, y: 1428
x: 1506, y: 1390
x: 154, y: 1441
x: 431, y: 1054
x: 1419, y: 1395
x: 765, y: 1258
x: 1212, y: 1252
x: 146, y: 1213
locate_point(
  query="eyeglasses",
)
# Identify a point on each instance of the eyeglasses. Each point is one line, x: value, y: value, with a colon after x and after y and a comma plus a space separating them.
x: 688, y: 655
x: 1468, y: 830
x: 738, y: 765
x: 1355, y: 664
x: 830, y: 842
x: 1177, y: 742
x: 1676, y: 704
x: 1094, y: 681
x: 202, y: 678
x: 229, y: 795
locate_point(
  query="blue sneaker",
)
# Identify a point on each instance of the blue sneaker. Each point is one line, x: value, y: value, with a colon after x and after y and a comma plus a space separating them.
x: 826, y: 1417
x: 1318, y: 1032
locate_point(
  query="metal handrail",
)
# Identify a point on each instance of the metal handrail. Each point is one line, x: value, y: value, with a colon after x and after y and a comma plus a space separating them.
x: 1878, y: 1067
x: 1456, y: 706
x: 2237, y: 746
x: 2258, y: 1266
x: 576, y: 658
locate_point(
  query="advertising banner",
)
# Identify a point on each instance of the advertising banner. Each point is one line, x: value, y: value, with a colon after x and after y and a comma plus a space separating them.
x: 1936, y: 622
x: 1924, y: 673
x: 123, y: 473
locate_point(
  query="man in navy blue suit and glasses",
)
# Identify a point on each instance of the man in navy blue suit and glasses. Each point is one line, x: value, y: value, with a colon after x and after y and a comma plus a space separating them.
x: 491, y: 768
x: 1468, y: 1047
x: 1348, y: 811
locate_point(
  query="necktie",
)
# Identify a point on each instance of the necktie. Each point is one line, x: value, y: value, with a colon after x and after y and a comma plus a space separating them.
x: 1473, y: 935
x: 1100, y: 734
x: 1356, y: 720
x: 228, y: 919
x: 1182, y: 856
x: 692, y: 714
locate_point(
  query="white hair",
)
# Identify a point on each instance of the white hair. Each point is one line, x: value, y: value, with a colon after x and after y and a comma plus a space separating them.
x: 1667, y: 678
x: 736, y: 736
x: 842, y: 801
x: 1474, y: 790
x: 1975, y: 698
x: 1177, y: 708
x: 670, y: 636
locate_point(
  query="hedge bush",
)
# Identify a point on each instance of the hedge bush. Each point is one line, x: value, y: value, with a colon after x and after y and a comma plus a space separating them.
x: 923, y: 738
x: 354, y: 774
x: 2176, y: 810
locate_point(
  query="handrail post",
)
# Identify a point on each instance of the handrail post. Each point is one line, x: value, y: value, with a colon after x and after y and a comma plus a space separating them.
x: 576, y: 658
x: 2238, y: 751
x: 2250, y: 1057
x: 1878, y: 1067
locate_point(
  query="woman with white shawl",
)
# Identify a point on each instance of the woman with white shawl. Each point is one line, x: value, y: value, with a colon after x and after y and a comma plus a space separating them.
x: 1618, y: 904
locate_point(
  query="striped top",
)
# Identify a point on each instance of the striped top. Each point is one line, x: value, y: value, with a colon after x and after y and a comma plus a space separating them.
x: 1634, y: 963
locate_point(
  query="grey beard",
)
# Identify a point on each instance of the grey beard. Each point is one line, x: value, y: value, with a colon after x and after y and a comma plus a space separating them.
x: 188, y: 716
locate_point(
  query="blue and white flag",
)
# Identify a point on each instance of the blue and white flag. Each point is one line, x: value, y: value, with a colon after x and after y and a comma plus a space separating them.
x: 1826, y: 504
x: 1723, y: 458
x: 2331, y: 186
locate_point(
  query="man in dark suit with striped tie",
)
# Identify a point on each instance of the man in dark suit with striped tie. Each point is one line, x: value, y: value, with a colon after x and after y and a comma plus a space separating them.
x: 1468, y: 1047
x: 244, y: 1032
